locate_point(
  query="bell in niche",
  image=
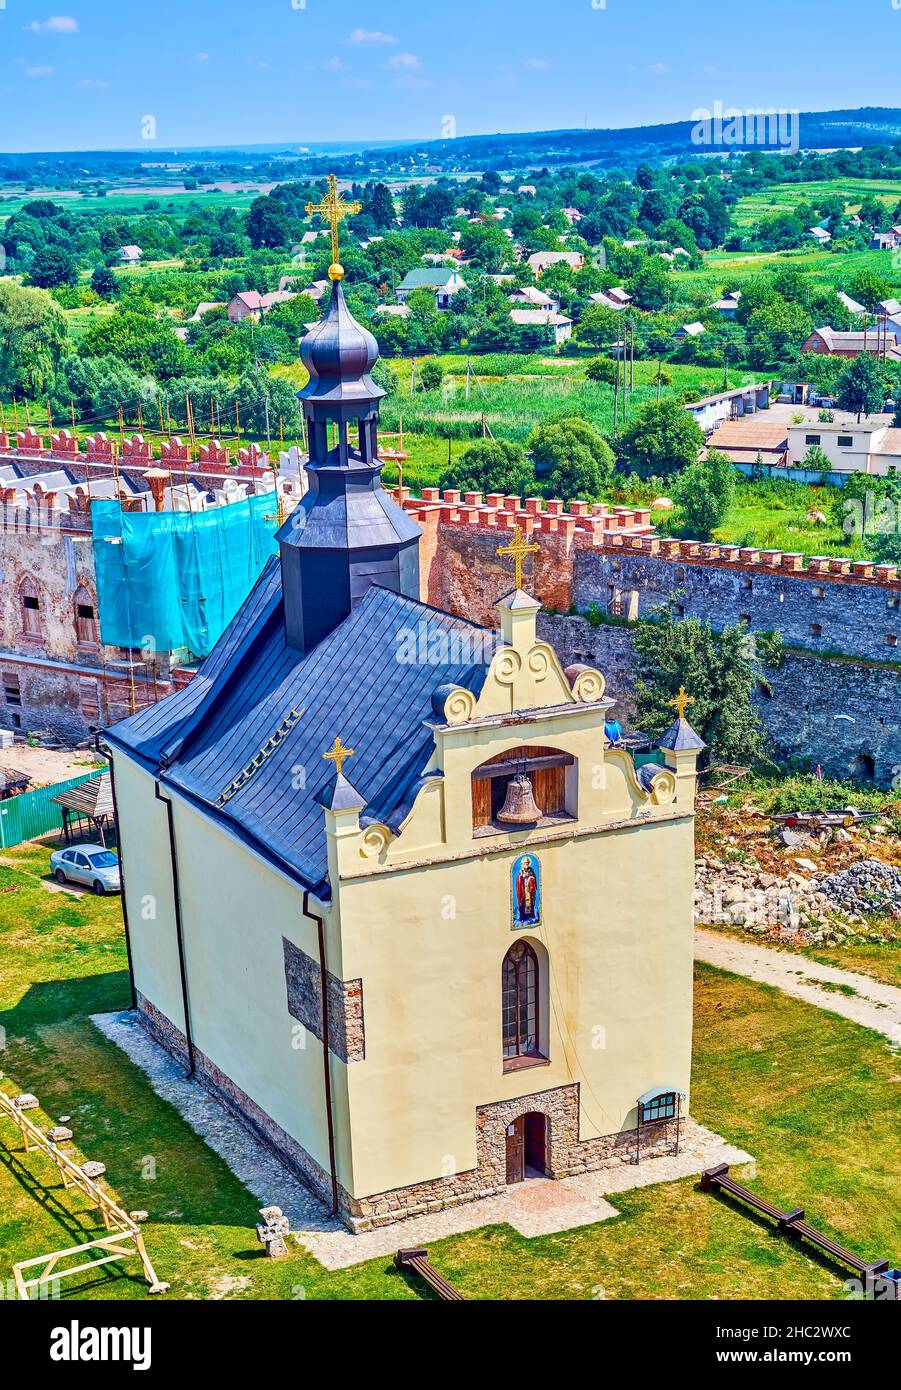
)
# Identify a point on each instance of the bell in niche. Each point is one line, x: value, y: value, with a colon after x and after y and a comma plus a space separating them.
x: 520, y: 807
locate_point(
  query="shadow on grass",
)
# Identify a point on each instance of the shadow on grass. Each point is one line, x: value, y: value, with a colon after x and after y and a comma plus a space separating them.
x: 813, y: 1253
x: 52, y: 1002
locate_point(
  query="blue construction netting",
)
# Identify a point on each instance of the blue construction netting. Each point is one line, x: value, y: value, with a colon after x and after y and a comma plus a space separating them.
x: 167, y: 580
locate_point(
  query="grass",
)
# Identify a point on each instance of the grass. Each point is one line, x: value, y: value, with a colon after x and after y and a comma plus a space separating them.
x: 809, y: 1094
x: 730, y: 269
x: 785, y: 197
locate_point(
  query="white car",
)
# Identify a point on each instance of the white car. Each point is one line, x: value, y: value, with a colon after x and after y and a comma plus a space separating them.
x: 92, y: 865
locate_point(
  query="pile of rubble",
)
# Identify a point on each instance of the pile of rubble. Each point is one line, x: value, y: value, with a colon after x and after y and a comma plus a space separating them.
x: 868, y: 887
x: 798, y: 905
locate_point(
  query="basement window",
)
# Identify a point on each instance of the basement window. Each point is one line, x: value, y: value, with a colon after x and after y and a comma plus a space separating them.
x: 12, y: 692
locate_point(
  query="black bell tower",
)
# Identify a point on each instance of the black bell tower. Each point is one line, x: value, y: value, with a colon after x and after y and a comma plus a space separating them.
x: 347, y: 532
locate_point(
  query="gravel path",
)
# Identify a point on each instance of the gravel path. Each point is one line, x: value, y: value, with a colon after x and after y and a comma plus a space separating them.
x: 873, y: 1004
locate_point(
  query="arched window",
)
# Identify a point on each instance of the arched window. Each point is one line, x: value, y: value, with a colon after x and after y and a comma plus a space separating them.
x: 520, y: 1001
x: 85, y: 618
x: 29, y: 597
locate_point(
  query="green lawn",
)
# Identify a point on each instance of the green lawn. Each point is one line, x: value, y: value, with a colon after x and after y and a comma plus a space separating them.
x: 809, y: 1094
x: 785, y: 197
x: 730, y: 269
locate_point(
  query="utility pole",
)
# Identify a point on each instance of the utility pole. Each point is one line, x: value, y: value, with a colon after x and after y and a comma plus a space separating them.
x: 616, y: 392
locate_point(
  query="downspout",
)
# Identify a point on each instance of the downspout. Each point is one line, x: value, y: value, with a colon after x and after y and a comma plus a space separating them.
x: 179, y: 934
x: 325, y: 1052
x: 124, y: 900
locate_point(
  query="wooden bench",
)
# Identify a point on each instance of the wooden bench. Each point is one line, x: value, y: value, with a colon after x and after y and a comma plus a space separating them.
x: 417, y: 1262
x: 789, y: 1222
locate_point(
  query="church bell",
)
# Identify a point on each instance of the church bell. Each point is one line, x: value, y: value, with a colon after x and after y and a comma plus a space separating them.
x: 519, y: 806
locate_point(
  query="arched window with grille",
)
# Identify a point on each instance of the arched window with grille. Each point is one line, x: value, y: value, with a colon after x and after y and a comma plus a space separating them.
x: 30, y: 601
x: 521, y: 1002
x: 86, y: 632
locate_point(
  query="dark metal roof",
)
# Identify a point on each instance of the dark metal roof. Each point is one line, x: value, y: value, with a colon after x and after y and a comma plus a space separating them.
x: 680, y: 737
x: 339, y: 353
x: 354, y: 684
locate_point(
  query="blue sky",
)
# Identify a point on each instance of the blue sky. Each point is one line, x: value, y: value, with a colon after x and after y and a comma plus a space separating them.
x: 82, y: 74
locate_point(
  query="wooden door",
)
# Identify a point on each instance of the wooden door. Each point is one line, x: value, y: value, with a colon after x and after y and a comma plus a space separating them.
x: 516, y: 1150
x: 536, y: 1141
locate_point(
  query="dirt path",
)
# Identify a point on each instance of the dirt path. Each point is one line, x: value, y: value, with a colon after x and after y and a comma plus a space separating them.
x: 857, y: 997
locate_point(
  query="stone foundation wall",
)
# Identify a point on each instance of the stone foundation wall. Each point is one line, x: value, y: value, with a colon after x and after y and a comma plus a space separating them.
x: 567, y: 1154
x: 799, y: 715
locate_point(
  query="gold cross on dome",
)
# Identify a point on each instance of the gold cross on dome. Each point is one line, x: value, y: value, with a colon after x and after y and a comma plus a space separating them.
x: 681, y: 702
x: 333, y: 208
x: 519, y: 548
x: 338, y: 755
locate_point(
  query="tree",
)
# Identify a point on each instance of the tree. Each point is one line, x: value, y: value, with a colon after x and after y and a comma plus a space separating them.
x: 861, y: 386
x: 576, y: 460
x: 267, y: 223
x: 53, y: 266
x: 33, y: 335
x: 431, y: 375
x: 380, y: 205
x: 491, y: 465
x: 600, y: 326
x: 601, y: 369
x: 105, y: 283
x: 705, y: 491
x: 662, y: 439
x: 716, y: 669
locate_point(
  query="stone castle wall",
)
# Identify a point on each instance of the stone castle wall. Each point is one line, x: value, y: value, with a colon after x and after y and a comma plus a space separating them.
x: 840, y: 713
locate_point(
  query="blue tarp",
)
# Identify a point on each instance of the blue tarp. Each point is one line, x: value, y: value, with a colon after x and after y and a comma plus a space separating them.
x: 167, y: 580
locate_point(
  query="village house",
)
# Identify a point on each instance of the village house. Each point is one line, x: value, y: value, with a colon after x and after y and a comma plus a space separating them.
x: 819, y: 235
x: 689, y: 330
x: 252, y: 304
x: 557, y: 325
x: 530, y: 296
x: 750, y: 441
x: 711, y: 411
x: 130, y: 255
x: 616, y: 298
x: 727, y: 307
x: 540, y: 260
x: 368, y: 799
x: 886, y: 241
x: 836, y: 343
x: 872, y: 446
x: 443, y: 283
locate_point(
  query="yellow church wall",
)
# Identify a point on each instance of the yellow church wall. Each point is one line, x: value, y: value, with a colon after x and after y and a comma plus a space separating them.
x: 148, y: 891
x: 428, y: 943
x: 235, y: 912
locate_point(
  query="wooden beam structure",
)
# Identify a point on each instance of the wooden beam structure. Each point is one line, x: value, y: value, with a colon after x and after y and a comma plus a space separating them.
x: 123, y: 1240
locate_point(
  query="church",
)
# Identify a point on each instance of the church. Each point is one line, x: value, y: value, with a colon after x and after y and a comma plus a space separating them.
x: 391, y: 892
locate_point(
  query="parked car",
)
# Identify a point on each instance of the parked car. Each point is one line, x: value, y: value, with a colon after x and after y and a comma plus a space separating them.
x: 92, y: 865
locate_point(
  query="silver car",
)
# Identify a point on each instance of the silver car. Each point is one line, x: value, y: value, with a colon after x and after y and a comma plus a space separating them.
x: 92, y: 865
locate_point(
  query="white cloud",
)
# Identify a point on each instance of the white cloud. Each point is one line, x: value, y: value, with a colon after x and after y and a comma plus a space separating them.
x: 537, y: 64
x: 201, y: 57
x: 92, y: 84
x: 335, y: 64
x: 56, y: 24
x: 403, y: 62
x: 369, y: 36
x: 658, y: 67
x: 39, y: 72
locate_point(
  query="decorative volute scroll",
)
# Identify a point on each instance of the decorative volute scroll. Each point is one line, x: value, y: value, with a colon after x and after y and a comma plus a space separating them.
x: 586, y: 683
x: 460, y: 706
x: 374, y: 841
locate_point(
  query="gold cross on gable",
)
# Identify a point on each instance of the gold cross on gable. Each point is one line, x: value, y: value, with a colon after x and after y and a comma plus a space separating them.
x: 333, y: 208
x: 519, y: 548
x: 338, y: 755
x: 681, y: 702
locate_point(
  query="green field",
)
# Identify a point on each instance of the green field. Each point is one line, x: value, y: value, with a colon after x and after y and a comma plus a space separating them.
x: 785, y: 197
x: 810, y: 1095
x: 729, y: 269
x: 137, y: 200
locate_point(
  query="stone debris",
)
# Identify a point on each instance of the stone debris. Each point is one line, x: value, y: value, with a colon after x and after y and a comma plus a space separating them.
x: 26, y: 1102
x: 869, y: 887
x: 93, y: 1169
x: 814, y: 910
x: 139, y: 1216
x: 59, y: 1134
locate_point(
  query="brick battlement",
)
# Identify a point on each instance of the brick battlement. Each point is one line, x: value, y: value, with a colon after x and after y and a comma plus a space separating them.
x: 134, y: 453
x: 496, y: 511
x: 749, y: 558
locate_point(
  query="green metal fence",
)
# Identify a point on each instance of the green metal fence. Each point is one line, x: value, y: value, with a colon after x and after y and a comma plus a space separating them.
x: 35, y: 813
